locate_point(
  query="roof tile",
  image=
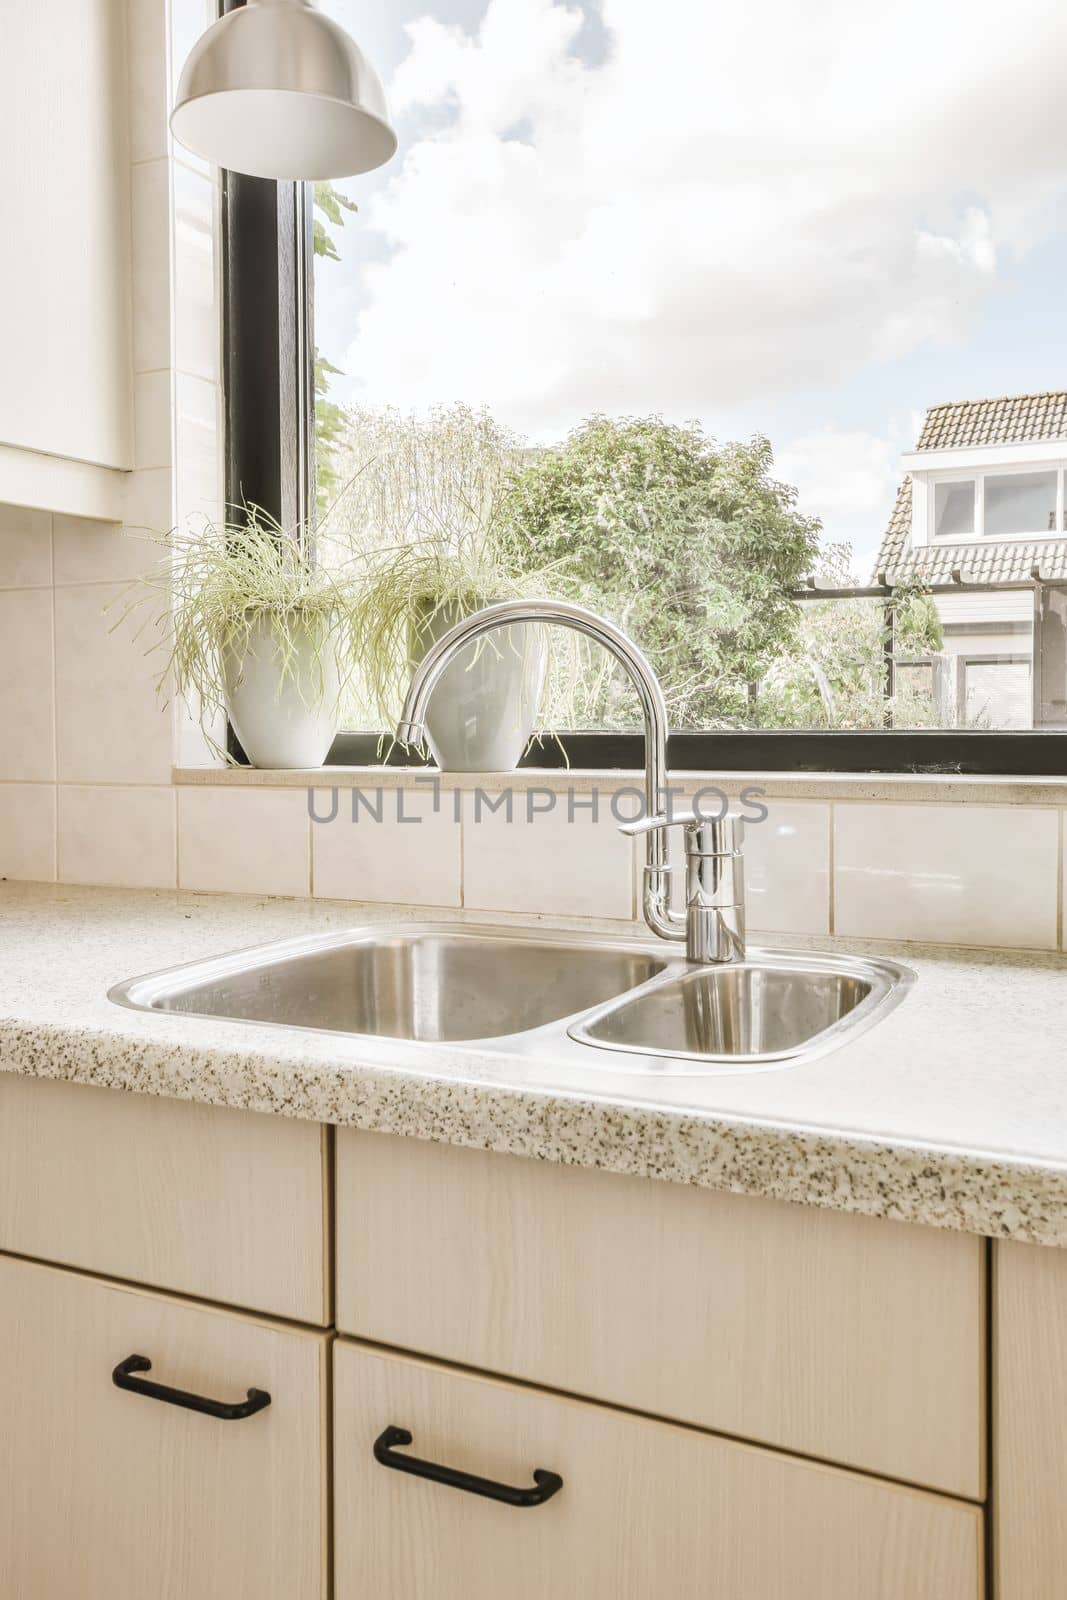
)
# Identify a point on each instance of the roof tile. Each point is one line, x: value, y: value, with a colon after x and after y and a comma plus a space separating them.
x: 1006, y: 420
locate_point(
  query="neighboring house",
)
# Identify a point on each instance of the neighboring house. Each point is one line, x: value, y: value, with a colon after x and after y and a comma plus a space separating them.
x: 983, y: 502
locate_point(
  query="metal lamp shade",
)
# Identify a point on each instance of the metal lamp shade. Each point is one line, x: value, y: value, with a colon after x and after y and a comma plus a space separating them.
x: 278, y: 90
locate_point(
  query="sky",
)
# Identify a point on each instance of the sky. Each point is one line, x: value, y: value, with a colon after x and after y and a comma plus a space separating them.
x: 809, y: 222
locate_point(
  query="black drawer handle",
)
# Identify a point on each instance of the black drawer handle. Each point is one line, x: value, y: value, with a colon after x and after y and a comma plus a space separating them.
x: 546, y: 1483
x: 123, y: 1378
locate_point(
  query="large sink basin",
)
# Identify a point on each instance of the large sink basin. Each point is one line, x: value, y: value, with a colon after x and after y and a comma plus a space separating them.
x: 432, y: 984
x: 553, y: 996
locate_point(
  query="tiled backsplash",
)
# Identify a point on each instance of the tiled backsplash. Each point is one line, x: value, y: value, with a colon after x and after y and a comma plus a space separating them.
x: 963, y: 874
x: 971, y: 874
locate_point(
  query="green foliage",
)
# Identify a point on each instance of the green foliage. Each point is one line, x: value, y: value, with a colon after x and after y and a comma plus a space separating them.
x: 330, y: 418
x: 331, y: 430
x: 836, y: 675
x: 918, y: 626
x: 692, y: 547
x: 333, y: 205
x: 423, y: 512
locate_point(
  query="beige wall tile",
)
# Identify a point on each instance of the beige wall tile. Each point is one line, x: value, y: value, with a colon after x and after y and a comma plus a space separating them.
x: 557, y: 860
x: 99, y: 552
x: 146, y: 42
x: 152, y: 420
x: 409, y: 862
x: 28, y: 832
x: 973, y: 875
x: 191, y: 746
x: 27, y: 686
x: 787, y: 868
x: 151, y: 266
x: 150, y: 500
x: 244, y: 841
x: 110, y: 725
x: 25, y: 548
x: 117, y: 835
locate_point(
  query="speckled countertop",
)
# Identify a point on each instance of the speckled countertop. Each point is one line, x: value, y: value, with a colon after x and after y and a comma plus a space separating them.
x: 952, y: 1111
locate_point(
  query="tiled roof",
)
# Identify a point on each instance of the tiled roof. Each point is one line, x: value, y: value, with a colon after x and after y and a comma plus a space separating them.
x: 961, y: 423
x: 1008, y: 420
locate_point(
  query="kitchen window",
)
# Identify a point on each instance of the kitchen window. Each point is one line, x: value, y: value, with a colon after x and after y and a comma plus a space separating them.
x: 661, y: 372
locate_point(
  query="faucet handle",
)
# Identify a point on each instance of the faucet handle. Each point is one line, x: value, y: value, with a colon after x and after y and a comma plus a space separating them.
x: 705, y: 836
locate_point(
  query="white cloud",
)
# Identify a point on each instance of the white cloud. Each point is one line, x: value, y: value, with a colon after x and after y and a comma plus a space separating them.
x: 841, y: 474
x: 739, y: 204
x: 849, y: 479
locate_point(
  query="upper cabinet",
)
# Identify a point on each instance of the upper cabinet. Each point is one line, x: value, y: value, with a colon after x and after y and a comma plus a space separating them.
x: 65, y: 290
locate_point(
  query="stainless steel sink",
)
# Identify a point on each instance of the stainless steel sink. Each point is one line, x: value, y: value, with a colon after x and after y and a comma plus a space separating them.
x: 433, y: 984
x: 764, y: 1009
x: 551, y: 996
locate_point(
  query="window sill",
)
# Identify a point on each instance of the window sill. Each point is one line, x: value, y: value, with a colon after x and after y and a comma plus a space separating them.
x: 924, y: 788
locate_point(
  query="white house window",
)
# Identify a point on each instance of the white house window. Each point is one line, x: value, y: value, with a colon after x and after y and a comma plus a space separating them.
x: 954, y: 510
x: 1020, y: 502
x: 999, y: 505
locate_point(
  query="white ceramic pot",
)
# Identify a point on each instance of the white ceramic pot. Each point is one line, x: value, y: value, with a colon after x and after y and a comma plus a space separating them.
x: 484, y: 706
x: 282, y: 724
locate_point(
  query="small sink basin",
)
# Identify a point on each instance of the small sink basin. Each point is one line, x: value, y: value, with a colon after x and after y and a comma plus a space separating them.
x: 769, y: 1008
x: 430, y: 984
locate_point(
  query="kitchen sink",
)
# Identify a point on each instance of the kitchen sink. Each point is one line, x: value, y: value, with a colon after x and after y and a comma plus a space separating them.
x: 551, y: 995
x: 763, y: 1009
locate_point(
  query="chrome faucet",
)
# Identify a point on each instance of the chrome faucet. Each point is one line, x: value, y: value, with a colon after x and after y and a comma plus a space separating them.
x: 712, y: 930
x: 715, y: 882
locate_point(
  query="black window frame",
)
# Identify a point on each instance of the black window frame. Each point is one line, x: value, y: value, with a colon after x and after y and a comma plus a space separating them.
x: 268, y: 355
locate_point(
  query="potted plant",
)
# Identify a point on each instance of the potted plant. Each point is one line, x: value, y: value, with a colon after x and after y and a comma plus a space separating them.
x: 252, y: 627
x: 427, y: 511
x: 484, y: 708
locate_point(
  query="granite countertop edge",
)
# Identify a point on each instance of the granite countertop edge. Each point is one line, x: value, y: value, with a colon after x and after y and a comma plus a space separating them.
x: 958, y: 1189
x: 951, y: 1112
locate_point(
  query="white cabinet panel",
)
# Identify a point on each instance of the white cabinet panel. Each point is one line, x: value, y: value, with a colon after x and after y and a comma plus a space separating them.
x: 65, y: 387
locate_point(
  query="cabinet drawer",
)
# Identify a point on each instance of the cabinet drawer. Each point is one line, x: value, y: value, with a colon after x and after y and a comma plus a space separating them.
x: 837, y: 1336
x: 646, y: 1508
x: 110, y: 1495
x: 227, y: 1205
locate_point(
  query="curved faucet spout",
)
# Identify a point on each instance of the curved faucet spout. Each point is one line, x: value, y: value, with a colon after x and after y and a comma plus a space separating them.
x: 411, y: 730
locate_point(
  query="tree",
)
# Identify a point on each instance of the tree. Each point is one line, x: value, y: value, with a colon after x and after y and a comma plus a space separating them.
x: 331, y: 434
x: 330, y: 419
x: 691, y: 546
x: 835, y: 677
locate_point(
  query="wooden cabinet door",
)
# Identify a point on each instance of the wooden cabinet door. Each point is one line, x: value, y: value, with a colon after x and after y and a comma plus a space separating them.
x: 203, y: 1200
x: 1030, y: 1422
x: 852, y: 1339
x: 647, y: 1511
x: 110, y: 1495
